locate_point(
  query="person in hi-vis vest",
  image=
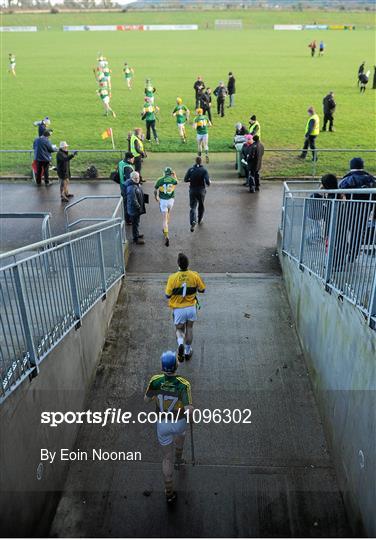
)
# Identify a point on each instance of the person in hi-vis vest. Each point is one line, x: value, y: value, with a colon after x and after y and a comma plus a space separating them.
x: 136, y: 147
x: 311, y: 132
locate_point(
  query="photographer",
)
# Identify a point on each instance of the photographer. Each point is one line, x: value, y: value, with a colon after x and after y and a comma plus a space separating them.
x: 63, y: 170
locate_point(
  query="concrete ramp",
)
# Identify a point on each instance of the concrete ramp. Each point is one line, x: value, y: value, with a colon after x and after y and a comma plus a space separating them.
x: 272, y: 477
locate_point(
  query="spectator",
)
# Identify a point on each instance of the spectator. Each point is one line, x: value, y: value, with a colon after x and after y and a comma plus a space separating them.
x: 329, y: 106
x: 254, y: 162
x: 221, y: 92
x: 240, y: 130
x: 205, y: 100
x: 43, y: 125
x: 319, y: 212
x: 42, y: 155
x: 231, y: 88
x: 199, y: 87
x: 63, y: 170
x: 311, y: 132
x: 246, y: 148
x: 125, y: 168
x: 356, y: 178
x: 136, y: 147
x: 198, y: 178
x: 135, y: 206
x: 254, y: 126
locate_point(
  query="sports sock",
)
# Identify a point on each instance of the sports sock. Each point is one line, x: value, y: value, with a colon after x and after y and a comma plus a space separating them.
x: 188, y: 349
x: 165, y: 232
x: 180, y: 340
x: 178, y: 454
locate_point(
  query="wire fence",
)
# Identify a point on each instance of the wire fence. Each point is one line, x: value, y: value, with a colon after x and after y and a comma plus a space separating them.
x: 46, y: 294
x: 277, y: 162
x: 334, y: 237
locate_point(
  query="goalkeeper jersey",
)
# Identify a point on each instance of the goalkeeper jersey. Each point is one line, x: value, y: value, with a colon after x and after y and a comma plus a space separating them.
x: 182, y: 288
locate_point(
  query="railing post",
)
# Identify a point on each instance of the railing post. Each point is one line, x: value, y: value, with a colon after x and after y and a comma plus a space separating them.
x: 301, y: 249
x: 331, y: 239
x: 26, y: 322
x: 121, y: 232
x: 372, y: 305
x: 73, y: 284
x: 101, y: 264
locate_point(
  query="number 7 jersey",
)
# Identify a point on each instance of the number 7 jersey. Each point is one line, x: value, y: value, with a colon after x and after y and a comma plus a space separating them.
x: 171, y: 393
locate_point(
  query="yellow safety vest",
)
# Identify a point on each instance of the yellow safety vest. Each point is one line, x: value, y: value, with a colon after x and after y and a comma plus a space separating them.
x: 134, y: 138
x: 316, y: 127
x: 253, y: 127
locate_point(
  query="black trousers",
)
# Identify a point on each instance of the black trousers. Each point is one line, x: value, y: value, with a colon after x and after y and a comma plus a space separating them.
x: 196, y: 198
x: 150, y: 125
x: 309, y: 142
x: 138, y: 165
x: 207, y: 110
x: 254, y: 177
x: 328, y: 117
x: 135, y: 219
x: 221, y: 107
x: 42, y: 168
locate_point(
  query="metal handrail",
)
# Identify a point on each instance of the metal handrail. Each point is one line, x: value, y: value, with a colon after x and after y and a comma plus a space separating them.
x: 90, y: 197
x: 46, y: 229
x: 335, y: 240
x: 43, y: 244
x: 46, y: 294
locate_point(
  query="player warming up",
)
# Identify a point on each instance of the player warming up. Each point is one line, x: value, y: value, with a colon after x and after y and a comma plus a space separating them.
x: 181, y: 290
x: 172, y: 395
x: 128, y: 74
x: 201, y: 124
x: 12, y: 64
x: 181, y: 113
x: 164, y: 193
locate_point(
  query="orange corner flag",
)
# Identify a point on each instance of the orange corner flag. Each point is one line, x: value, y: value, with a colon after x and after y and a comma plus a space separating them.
x: 107, y: 133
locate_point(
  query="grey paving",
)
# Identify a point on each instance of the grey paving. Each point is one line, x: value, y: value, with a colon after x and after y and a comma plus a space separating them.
x: 273, y: 477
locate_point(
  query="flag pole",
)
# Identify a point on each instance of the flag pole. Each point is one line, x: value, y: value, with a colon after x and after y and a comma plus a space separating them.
x: 112, y: 139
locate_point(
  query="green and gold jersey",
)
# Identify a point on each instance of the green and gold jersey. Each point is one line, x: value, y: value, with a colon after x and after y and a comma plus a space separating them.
x: 182, y: 288
x: 202, y: 123
x: 166, y: 187
x: 171, y: 393
x: 180, y: 112
x: 128, y: 72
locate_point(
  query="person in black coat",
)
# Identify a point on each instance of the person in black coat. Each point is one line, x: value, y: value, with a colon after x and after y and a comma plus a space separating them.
x: 198, y: 87
x: 231, y: 88
x: 135, y: 206
x: 329, y: 106
x: 205, y: 103
x: 254, y: 161
x: 63, y: 170
x: 221, y: 92
x: 198, y: 178
x: 361, y: 69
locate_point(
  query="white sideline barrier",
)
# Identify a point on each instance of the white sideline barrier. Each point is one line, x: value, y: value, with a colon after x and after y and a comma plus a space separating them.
x: 170, y: 27
x: 18, y: 29
x: 288, y: 27
x: 129, y: 27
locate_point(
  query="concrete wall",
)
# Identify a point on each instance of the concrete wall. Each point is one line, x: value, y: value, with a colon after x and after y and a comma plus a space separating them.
x: 340, y: 350
x: 29, y: 489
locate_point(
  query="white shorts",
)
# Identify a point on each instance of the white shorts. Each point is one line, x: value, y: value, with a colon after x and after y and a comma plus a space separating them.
x: 166, y: 204
x: 203, y: 139
x: 166, y: 431
x: 181, y: 128
x: 185, y: 314
x: 106, y: 100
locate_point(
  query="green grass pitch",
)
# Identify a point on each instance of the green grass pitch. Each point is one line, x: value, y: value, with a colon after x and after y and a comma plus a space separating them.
x: 275, y: 78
